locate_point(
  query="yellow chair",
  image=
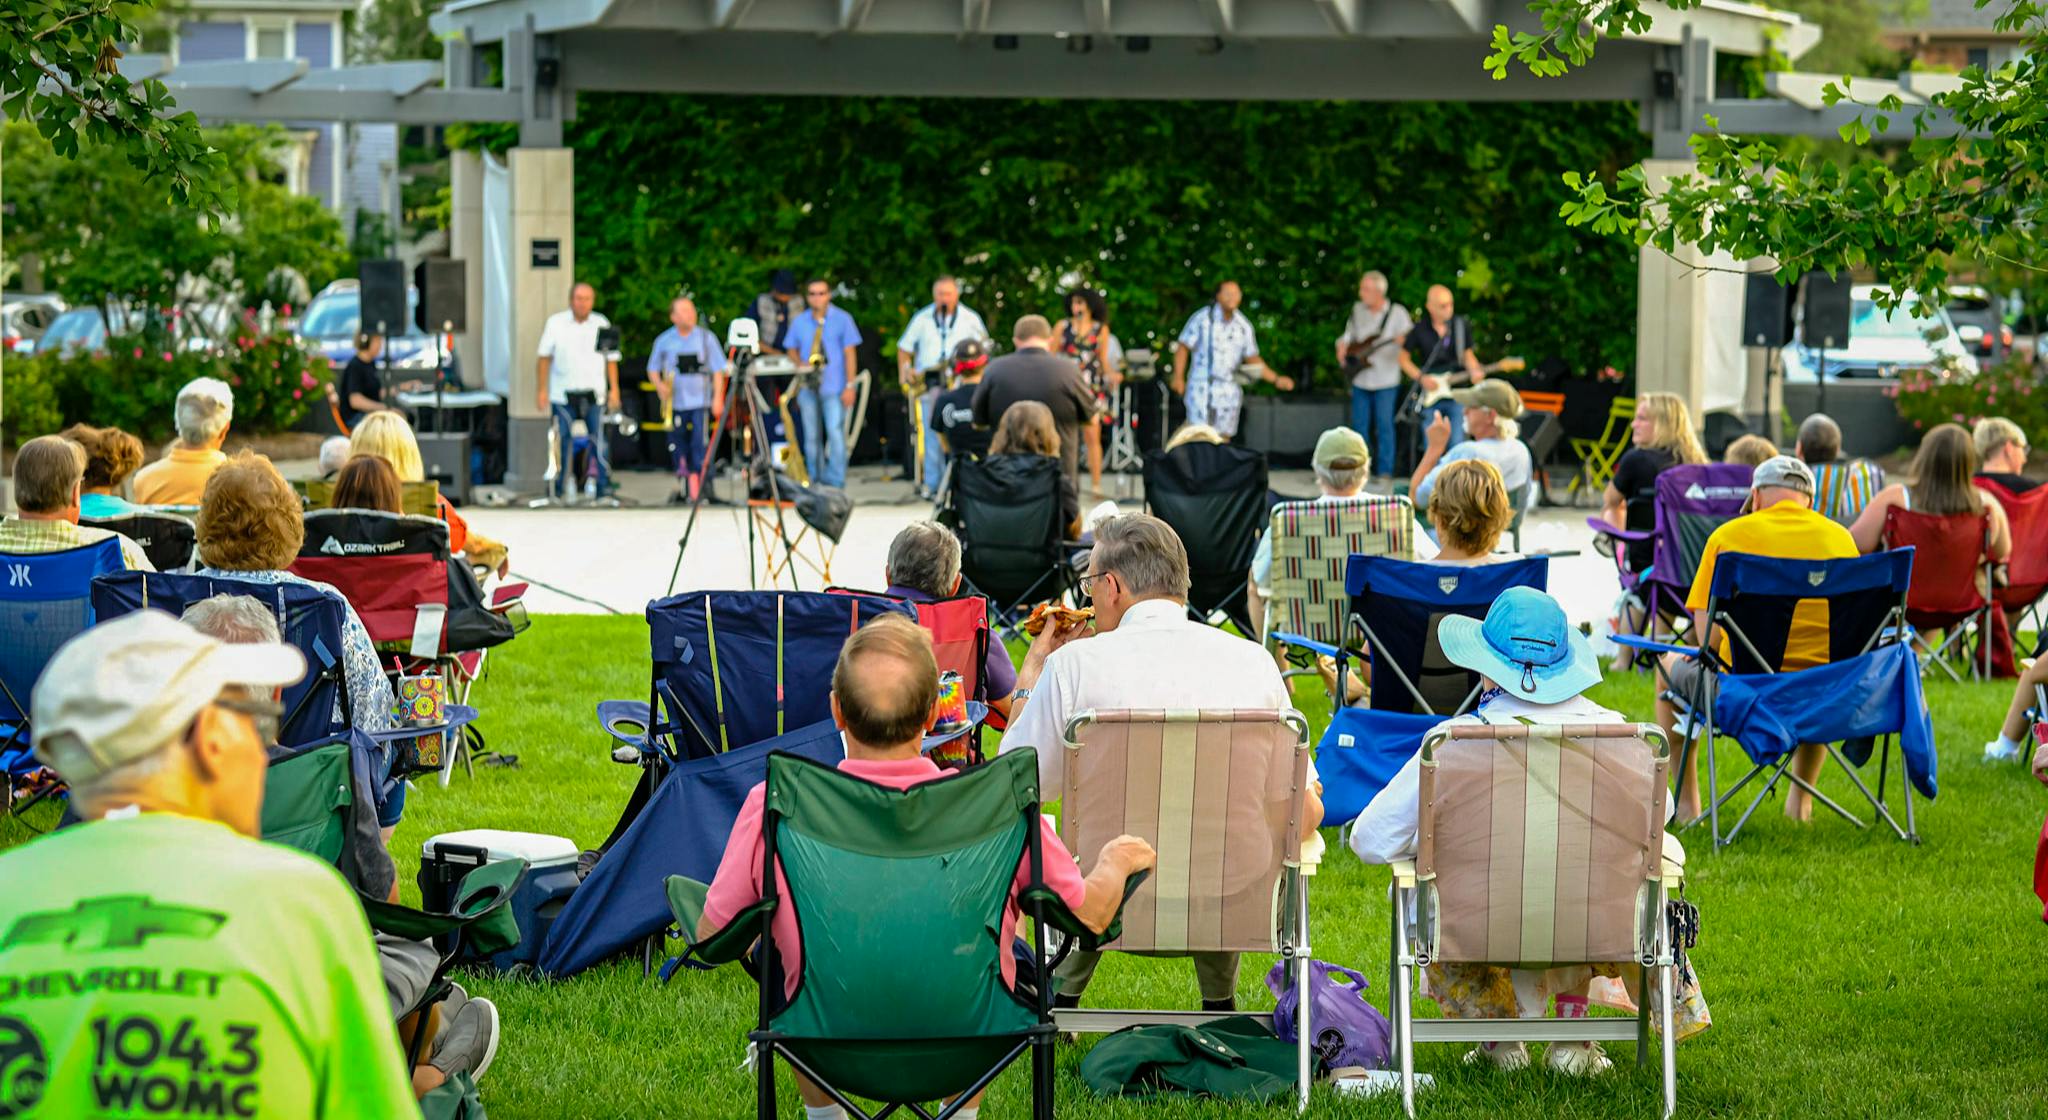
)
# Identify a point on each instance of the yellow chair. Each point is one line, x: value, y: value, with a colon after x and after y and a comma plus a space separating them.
x: 1597, y: 457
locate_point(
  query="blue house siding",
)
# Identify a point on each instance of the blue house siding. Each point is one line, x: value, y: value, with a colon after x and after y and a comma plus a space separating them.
x: 315, y: 44
x: 219, y: 41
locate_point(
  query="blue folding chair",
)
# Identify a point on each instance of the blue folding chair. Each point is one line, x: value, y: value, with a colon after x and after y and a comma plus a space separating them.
x: 45, y: 601
x: 1746, y: 693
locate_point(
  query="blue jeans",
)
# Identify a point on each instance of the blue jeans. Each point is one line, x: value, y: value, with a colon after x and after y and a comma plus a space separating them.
x: 1372, y: 416
x: 565, y: 441
x: 824, y: 452
x: 688, y: 429
x: 934, y: 458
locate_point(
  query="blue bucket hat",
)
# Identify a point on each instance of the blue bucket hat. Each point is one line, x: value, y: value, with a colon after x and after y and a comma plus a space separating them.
x: 1525, y: 646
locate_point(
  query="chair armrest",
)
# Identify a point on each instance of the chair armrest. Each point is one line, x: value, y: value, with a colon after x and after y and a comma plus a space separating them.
x: 1674, y: 861
x: 1059, y: 917
x: 686, y: 898
x: 1313, y: 850
x: 1404, y: 873
x: 1634, y: 642
x: 1605, y: 528
x: 1323, y: 648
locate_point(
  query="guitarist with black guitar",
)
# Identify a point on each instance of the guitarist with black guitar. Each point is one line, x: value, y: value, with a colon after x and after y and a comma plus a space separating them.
x: 1370, y: 351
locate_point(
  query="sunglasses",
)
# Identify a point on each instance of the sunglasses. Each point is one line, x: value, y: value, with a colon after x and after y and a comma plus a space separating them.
x: 267, y: 715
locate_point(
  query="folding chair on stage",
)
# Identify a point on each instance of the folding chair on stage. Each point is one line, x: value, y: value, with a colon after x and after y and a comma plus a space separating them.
x: 168, y: 539
x: 1214, y: 498
x: 1598, y: 457
x: 896, y: 891
x: 45, y: 601
x: 1751, y: 608
x: 1951, y: 574
x: 736, y: 667
x: 1311, y: 543
x: 1576, y: 811
x: 1218, y: 794
x: 2026, y: 572
x: 1006, y: 511
x: 1841, y: 489
x: 1692, y: 502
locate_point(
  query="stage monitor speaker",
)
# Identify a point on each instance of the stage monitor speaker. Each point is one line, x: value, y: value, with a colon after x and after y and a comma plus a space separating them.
x: 444, y: 300
x: 1766, y: 312
x: 446, y: 458
x: 382, y: 287
x: 1824, y: 310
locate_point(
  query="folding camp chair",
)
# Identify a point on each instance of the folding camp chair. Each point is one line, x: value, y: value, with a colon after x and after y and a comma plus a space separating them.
x: 168, y: 539
x: 1692, y: 502
x: 960, y: 636
x: 1213, y: 496
x: 1219, y: 795
x: 415, y: 499
x: 1751, y: 610
x: 1006, y: 511
x: 1594, y: 872
x: 1841, y: 489
x: 736, y: 667
x: 45, y: 601
x: 305, y: 792
x: 2026, y: 570
x: 1599, y: 457
x: 1311, y: 542
x: 896, y: 891
x: 1951, y: 575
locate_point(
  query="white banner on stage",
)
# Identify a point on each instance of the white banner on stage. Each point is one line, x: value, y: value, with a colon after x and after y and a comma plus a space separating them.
x: 497, y: 325
x: 1724, y: 363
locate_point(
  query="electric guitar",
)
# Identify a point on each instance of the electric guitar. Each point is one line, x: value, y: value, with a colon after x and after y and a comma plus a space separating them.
x: 1445, y: 382
x: 1358, y: 353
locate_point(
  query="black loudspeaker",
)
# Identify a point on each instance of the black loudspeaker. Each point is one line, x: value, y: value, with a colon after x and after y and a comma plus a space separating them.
x: 1766, y: 312
x: 446, y: 457
x: 1824, y: 310
x: 383, y: 295
x: 444, y: 301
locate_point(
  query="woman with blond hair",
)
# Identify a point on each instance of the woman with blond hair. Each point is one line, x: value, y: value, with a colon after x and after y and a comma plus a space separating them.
x: 387, y: 436
x: 1027, y: 429
x: 1469, y: 511
x: 1663, y: 435
x: 111, y: 455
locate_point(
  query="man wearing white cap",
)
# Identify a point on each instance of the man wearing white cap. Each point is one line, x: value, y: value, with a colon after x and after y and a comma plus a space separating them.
x: 245, y: 971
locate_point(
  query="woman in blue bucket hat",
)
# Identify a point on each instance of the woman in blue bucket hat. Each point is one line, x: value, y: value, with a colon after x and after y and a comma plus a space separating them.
x: 1534, y: 665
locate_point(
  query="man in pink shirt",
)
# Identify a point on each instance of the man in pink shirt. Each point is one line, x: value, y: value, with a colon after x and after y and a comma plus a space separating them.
x: 885, y: 697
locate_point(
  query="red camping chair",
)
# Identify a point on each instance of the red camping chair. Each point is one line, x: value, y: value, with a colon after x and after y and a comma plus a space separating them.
x: 1950, y: 573
x: 2026, y: 570
x: 960, y: 638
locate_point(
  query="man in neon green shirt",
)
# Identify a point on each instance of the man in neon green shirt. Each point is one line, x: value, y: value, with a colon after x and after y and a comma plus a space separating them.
x: 157, y: 960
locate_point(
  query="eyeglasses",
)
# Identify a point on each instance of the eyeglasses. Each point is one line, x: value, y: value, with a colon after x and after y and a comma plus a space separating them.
x: 267, y: 715
x: 1086, y: 584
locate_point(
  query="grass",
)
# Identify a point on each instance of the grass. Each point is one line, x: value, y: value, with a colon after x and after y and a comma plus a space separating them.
x: 1849, y: 974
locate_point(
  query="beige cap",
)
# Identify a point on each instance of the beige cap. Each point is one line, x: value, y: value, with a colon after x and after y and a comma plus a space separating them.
x: 125, y: 688
x: 1494, y: 394
x: 1339, y: 445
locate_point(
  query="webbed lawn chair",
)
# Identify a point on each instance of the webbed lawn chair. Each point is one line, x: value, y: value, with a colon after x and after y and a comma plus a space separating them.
x: 1219, y: 795
x: 1841, y: 489
x: 45, y: 601
x: 1213, y: 496
x: 896, y: 891
x: 1311, y: 544
x: 1579, y: 810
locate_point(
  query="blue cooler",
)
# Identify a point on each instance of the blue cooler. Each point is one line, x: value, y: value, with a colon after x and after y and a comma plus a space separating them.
x: 550, y: 880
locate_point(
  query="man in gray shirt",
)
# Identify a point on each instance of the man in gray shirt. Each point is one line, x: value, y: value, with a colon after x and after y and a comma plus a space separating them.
x: 1370, y: 350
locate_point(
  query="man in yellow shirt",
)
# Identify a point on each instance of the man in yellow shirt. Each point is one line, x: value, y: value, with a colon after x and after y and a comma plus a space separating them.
x: 205, y: 407
x: 1780, y: 522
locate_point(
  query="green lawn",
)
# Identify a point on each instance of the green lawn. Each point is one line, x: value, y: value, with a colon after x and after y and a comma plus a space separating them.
x: 1848, y: 973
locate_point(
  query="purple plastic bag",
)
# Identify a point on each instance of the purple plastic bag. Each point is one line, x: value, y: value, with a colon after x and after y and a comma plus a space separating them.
x: 1348, y: 1030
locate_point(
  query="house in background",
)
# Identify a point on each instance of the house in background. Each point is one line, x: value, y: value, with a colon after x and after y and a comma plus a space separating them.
x: 353, y: 169
x: 1953, y: 34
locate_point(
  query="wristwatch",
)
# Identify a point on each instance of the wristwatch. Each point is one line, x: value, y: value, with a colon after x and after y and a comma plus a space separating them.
x: 1020, y: 695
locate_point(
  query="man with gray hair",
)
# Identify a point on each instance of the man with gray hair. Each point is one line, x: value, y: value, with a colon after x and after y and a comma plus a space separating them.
x: 1145, y: 653
x: 334, y: 452
x: 1370, y: 351
x: 205, y: 408
x: 1035, y: 373
x: 49, y: 472
x: 234, y: 619
x: 924, y: 567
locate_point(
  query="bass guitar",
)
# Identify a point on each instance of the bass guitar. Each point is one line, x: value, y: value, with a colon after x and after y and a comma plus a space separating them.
x: 1358, y: 353
x: 1424, y: 399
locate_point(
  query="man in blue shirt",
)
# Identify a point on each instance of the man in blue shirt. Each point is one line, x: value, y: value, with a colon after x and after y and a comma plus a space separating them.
x: 822, y: 341
x: 686, y: 366
x: 923, y: 356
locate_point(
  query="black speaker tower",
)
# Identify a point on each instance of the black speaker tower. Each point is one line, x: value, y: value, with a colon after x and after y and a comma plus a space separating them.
x: 444, y: 302
x: 1766, y: 311
x: 382, y: 287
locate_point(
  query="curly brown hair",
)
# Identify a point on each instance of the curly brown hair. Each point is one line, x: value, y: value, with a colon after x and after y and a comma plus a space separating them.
x: 111, y: 455
x: 1470, y: 506
x: 250, y: 519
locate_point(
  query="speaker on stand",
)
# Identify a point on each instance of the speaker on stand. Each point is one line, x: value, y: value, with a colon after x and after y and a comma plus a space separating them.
x: 442, y: 310
x: 1823, y: 323
x: 1767, y: 325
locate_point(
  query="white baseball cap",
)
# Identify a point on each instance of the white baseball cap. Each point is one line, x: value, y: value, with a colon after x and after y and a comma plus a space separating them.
x: 125, y: 688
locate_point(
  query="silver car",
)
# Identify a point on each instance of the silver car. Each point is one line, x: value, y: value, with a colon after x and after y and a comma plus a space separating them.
x: 1882, y: 345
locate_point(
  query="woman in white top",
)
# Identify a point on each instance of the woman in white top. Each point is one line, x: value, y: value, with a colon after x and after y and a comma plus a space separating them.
x: 1533, y: 665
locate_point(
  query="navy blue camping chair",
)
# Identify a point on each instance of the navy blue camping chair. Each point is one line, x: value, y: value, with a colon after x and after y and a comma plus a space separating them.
x: 45, y: 601
x: 1360, y: 752
x: 737, y: 667
x: 679, y: 827
x: 1746, y: 693
x: 1397, y: 606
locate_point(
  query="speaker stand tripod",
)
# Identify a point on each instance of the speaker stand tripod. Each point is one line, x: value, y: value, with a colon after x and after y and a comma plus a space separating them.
x: 753, y: 452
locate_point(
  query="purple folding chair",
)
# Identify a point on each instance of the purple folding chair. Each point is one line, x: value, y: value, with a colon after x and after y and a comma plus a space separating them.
x: 1692, y: 501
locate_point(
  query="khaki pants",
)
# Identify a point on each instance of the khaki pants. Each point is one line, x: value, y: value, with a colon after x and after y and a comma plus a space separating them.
x: 1215, y: 973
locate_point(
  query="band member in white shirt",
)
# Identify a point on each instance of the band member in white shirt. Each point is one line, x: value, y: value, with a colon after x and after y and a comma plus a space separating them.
x: 1216, y: 340
x: 922, y: 355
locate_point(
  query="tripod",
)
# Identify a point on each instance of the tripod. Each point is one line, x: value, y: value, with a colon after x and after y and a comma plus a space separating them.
x: 752, y: 452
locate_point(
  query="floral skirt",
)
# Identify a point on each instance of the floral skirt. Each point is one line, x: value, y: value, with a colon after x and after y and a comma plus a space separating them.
x: 1476, y: 991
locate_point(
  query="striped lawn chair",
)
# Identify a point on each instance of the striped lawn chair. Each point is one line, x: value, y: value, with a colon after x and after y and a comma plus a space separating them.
x: 1218, y: 793
x: 1312, y: 541
x: 1842, y: 489
x: 1541, y: 846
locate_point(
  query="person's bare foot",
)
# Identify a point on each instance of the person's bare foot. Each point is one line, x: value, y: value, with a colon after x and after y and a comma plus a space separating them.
x: 1800, y: 810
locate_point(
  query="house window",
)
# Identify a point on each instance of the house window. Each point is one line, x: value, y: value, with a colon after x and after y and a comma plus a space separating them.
x: 1980, y: 57
x: 270, y: 40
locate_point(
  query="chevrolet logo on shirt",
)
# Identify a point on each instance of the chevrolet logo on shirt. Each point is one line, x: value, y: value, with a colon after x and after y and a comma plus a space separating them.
x: 121, y: 921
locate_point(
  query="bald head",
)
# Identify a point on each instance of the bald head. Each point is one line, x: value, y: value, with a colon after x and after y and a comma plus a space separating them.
x: 1441, y: 305
x: 582, y: 297
x: 885, y: 688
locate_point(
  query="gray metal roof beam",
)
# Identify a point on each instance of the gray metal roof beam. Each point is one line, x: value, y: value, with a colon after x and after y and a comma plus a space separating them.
x: 1222, y: 16
x: 1097, y: 14
x: 400, y: 79
x: 262, y: 75
x: 1344, y: 15
x: 432, y: 106
x: 1771, y: 117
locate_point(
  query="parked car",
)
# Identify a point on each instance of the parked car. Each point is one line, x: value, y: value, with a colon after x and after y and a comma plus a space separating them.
x: 1980, y: 322
x: 332, y: 319
x: 1881, y: 345
x: 24, y: 318
x: 85, y: 328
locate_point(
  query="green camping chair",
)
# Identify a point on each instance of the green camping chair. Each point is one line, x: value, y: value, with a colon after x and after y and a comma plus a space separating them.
x: 897, y: 890
x: 311, y: 803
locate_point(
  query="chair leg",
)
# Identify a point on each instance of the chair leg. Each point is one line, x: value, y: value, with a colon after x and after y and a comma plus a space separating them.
x: 1302, y: 1032
x: 1404, y: 1011
x: 764, y: 1070
x: 1665, y: 974
x: 1042, y: 1077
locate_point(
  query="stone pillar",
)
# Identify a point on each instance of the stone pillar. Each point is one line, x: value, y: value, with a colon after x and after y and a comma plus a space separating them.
x: 466, y: 244
x: 1670, y: 307
x: 543, y: 268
